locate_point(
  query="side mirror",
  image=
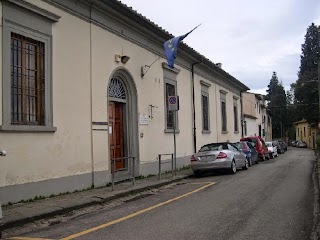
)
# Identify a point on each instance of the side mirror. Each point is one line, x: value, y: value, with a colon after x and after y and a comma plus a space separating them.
x: 3, y: 153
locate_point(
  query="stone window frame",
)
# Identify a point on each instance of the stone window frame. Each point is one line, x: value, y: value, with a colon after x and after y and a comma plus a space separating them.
x: 223, y: 99
x: 205, y: 92
x: 28, y: 20
x: 170, y: 77
x: 235, y: 113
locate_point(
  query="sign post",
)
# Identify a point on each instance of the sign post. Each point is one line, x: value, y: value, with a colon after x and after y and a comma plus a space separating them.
x: 173, y: 106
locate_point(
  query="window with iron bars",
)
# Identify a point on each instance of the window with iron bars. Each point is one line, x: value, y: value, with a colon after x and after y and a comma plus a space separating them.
x: 205, y: 113
x: 170, y: 91
x: 27, y: 81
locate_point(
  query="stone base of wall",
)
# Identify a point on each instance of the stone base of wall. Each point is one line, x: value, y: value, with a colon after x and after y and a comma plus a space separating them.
x: 16, y: 193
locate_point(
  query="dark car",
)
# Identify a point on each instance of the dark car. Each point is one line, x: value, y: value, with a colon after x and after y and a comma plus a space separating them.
x: 280, y: 147
x: 294, y: 143
x: 259, y: 145
x: 284, y: 144
x: 249, y: 150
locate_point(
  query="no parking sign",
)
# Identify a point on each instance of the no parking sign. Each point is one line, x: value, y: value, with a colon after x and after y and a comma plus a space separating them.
x: 173, y: 103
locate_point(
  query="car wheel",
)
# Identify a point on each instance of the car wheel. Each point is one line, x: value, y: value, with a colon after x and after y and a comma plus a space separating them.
x: 246, y: 165
x: 233, y: 168
x: 197, y: 174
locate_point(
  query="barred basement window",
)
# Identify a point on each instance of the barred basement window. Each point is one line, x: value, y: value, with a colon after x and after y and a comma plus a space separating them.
x: 27, y: 81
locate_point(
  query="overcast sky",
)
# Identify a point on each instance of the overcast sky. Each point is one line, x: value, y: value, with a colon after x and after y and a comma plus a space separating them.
x: 251, y: 38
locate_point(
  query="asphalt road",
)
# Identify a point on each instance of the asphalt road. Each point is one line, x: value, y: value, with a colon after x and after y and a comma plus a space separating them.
x: 271, y: 200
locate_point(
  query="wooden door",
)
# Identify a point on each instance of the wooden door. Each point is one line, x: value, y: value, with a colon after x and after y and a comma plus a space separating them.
x: 116, y: 133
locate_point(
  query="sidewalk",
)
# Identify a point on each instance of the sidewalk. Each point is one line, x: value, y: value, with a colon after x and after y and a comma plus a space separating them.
x: 21, y: 213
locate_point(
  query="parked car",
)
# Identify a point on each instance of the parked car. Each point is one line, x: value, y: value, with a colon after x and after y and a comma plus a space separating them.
x: 280, y: 148
x: 272, y: 149
x: 302, y: 144
x: 259, y: 145
x: 284, y: 145
x: 213, y: 156
x: 249, y: 150
x: 294, y: 143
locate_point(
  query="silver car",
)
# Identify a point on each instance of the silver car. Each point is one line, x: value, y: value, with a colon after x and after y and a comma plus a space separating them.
x: 215, y: 156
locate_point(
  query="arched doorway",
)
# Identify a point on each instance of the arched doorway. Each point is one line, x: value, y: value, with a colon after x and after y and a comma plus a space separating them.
x: 123, y: 118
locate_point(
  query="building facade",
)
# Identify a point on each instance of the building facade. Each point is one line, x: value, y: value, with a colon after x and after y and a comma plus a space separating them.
x: 85, y: 84
x: 306, y: 132
x: 256, y: 120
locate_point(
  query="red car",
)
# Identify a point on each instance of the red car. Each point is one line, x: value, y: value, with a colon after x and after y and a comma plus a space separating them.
x: 260, y: 146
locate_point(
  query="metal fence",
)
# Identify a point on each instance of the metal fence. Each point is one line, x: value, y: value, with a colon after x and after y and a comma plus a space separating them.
x: 127, y: 172
x: 173, y: 164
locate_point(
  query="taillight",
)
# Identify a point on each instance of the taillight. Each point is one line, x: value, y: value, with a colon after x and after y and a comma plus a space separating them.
x: 193, y: 159
x: 221, y: 155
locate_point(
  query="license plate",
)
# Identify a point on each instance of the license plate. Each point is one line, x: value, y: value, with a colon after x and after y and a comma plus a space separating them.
x: 206, y: 158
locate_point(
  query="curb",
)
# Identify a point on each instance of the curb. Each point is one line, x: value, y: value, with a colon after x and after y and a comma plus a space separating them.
x: 316, y: 208
x: 22, y: 221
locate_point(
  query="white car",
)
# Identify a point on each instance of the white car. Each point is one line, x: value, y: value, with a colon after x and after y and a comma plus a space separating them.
x: 272, y: 149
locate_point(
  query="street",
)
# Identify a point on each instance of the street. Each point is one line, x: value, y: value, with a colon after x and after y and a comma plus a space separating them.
x: 271, y: 200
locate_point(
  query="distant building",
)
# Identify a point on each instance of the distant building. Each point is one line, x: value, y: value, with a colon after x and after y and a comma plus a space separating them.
x: 306, y: 132
x: 256, y: 120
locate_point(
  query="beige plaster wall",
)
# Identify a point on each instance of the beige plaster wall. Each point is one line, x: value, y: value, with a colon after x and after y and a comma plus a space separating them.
x: 33, y: 157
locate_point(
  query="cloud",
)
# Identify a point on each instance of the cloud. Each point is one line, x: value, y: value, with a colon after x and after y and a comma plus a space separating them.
x: 250, y: 38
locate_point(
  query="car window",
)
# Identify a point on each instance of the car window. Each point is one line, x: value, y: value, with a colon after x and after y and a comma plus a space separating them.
x: 232, y: 147
x: 269, y: 144
x: 239, y: 145
x: 254, y: 142
x: 211, y: 147
x: 250, y: 146
x: 262, y: 142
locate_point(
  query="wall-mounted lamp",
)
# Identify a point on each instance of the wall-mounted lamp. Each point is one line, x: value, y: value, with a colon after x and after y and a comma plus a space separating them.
x: 123, y: 59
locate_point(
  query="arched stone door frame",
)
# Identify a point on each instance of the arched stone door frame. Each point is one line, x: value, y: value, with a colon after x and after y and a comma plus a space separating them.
x: 130, y: 121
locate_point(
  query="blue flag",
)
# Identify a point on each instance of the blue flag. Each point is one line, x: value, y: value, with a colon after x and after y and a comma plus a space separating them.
x: 171, y: 47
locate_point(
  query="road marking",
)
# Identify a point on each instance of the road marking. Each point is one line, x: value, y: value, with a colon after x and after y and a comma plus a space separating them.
x: 135, y: 214
x: 198, y: 183
x: 27, y: 238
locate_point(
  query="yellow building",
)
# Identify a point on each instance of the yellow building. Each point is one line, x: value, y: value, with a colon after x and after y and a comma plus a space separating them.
x: 306, y: 132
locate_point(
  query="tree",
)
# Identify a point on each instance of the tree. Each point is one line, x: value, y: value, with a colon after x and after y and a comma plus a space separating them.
x: 277, y: 106
x: 306, y: 96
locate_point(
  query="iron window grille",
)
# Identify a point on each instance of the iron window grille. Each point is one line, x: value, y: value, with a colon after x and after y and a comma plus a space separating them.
x: 235, y: 112
x: 224, y: 116
x: 205, y: 113
x: 27, y: 81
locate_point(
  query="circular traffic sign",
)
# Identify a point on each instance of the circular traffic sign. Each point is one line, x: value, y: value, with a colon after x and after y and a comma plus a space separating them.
x: 172, y: 100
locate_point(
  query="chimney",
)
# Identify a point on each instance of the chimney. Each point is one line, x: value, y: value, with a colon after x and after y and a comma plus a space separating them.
x: 219, y: 65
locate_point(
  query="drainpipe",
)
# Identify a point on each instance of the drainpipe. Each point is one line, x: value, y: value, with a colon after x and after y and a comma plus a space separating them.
x: 193, y: 107
x: 91, y: 100
x: 241, y: 114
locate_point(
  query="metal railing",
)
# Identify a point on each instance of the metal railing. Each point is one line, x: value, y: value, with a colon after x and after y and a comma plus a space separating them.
x: 173, y: 164
x: 128, y: 170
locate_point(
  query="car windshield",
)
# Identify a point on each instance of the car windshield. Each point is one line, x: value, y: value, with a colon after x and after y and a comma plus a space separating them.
x: 212, y: 147
x: 269, y: 144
